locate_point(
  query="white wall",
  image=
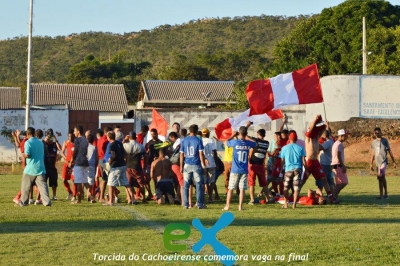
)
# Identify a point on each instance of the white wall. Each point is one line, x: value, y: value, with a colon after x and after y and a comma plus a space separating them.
x: 40, y: 119
x: 366, y: 96
x: 110, y: 116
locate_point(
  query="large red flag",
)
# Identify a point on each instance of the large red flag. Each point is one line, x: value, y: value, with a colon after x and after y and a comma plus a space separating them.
x: 224, y: 129
x: 158, y: 122
x: 298, y: 87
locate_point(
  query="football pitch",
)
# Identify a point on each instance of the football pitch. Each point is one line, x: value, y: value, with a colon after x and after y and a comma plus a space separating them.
x: 360, y: 231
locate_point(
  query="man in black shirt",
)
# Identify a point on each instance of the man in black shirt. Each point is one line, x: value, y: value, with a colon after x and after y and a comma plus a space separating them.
x: 51, y: 146
x: 80, y: 162
x: 117, y: 174
x: 151, y: 151
x: 257, y: 165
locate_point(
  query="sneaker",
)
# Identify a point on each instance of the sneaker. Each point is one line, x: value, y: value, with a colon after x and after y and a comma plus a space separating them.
x: 69, y: 196
x: 73, y: 199
x: 38, y: 202
x: 202, y: 207
x: 386, y: 197
x: 31, y: 201
x: 16, y: 200
x: 54, y: 198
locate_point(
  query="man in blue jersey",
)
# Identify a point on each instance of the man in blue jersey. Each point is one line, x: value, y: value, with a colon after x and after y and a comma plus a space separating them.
x: 239, y: 171
x: 191, y: 153
x: 293, y: 159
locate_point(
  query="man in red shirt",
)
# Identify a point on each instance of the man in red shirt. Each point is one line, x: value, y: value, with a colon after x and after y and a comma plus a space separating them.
x: 102, y: 143
x: 68, y: 147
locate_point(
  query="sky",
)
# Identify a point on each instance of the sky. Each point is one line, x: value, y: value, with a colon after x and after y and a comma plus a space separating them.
x: 57, y: 17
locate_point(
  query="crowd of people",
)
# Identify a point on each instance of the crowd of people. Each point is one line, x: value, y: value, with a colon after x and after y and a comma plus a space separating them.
x: 187, y: 162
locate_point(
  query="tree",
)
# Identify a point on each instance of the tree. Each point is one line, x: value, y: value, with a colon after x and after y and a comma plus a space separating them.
x: 333, y: 39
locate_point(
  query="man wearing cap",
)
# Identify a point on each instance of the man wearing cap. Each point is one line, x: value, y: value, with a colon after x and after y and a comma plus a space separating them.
x: 338, y: 166
x: 293, y: 159
x: 238, y: 178
x: 314, y: 132
x: 134, y: 153
x: 379, y: 149
x: 210, y: 153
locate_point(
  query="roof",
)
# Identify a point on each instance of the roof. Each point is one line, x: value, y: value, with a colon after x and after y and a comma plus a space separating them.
x: 171, y: 90
x: 101, y: 97
x: 10, y: 98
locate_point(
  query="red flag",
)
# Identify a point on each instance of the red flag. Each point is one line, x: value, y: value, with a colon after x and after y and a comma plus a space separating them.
x: 224, y: 129
x: 158, y: 122
x: 298, y: 87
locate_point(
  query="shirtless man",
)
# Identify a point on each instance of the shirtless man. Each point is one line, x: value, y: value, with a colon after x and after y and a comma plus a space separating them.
x: 160, y: 170
x: 314, y: 132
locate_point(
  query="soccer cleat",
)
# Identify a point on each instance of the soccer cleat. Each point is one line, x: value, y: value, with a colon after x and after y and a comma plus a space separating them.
x: 69, y: 196
x: 73, y: 199
x: 54, y: 198
x: 116, y: 200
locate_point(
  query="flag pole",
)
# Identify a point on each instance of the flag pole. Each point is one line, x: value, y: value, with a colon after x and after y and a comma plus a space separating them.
x: 324, y: 110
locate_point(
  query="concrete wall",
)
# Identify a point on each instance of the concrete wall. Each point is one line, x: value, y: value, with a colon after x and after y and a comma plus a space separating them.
x: 364, y: 96
x: 40, y: 119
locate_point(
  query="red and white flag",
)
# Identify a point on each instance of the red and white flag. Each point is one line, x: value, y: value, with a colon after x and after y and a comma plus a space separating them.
x: 298, y: 87
x: 158, y: 122
x: 225, y: 129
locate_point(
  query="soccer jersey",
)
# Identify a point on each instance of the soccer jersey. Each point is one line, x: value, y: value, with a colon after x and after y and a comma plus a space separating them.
x: 102, y: 146
x: 241, y: 150
x: 70, y: 151
x: 260, y: 151
x: 191, y: 146
x: 209, y: 147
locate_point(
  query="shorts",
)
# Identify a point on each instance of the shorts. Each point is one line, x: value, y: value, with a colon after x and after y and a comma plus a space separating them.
x: 276, y: 170
x: 66, y: 173
x: 257, y: 170
x: 176, y: 169
x: 117, y: 177
x: 81, y: 174
x: 91, y: 175
x: 236, y: 180
x: 315, y: 168
x: 105, y: 167
x: 329, y: 176
x: 381, y: 171
x: 292, y: 178
x: 165, y: 187
x: 209, y: 176
x: 136, y: 178
x: 52, y: 176
x: 340, y: 177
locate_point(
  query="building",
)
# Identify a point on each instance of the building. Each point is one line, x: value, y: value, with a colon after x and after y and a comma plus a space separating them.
x: 184, y: 94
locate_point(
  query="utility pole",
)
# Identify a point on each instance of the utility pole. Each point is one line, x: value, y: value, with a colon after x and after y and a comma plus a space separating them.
x: 28, y: 75
x: 364, y: 48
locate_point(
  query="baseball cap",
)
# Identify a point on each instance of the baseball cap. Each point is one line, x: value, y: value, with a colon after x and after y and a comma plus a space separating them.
x: 293, y: 136
x: 342, y: 132
x: 205, y: 131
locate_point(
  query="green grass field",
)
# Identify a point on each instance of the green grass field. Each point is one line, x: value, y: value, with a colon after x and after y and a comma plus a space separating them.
x: 359, y: 231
